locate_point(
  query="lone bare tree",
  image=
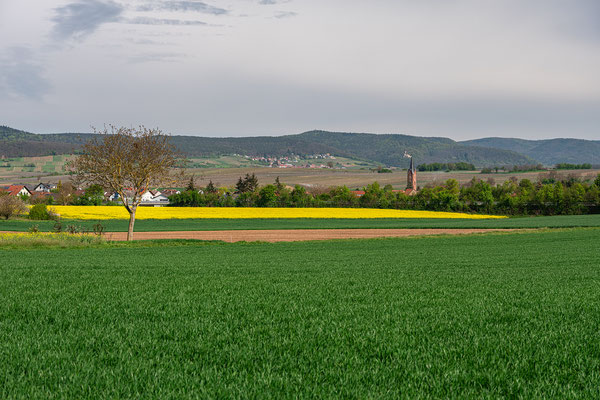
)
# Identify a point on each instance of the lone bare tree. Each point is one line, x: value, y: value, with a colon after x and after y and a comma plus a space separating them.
x: 11, y: 205
x: 128, y: 161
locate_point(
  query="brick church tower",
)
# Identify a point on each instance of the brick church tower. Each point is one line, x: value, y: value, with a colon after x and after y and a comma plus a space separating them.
x: 411, y: 178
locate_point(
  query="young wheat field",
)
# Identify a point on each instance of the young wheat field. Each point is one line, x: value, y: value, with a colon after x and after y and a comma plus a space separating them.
x: 495, y: 315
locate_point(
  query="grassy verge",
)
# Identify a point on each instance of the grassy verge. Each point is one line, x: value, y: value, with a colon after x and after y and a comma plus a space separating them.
x: 566, y: 221
x: 48, y: 240
x: 512, y: 315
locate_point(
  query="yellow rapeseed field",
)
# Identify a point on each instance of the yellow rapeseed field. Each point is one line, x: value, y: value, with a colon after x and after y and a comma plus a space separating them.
x: 103, y: 212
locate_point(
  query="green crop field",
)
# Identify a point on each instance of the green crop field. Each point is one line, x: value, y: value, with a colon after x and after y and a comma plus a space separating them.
x: 562, y: 221
x: 497, y: 315
x: 49, y: 167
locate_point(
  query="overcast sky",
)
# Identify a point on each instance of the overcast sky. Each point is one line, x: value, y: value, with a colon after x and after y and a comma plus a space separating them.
x: 456, y: 68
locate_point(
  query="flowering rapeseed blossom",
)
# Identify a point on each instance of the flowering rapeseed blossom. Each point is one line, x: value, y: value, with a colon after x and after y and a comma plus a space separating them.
x: 100, y: 212
x: 28, y: 235
x: 28, y: 239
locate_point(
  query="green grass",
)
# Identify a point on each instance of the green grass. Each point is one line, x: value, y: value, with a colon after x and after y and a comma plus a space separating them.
x: 41, y: 240
x: 499, y: 315
x: 566, y: 221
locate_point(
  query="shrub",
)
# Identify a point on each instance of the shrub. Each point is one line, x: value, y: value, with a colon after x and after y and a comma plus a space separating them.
x: 58, y: 227
x: 40, y: 212
x: 99, y: 229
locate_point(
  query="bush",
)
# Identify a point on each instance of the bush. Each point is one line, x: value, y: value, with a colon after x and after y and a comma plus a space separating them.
x: 40, y: 212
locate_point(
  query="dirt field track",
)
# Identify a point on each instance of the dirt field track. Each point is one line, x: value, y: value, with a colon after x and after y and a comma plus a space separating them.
x: 293, y: 235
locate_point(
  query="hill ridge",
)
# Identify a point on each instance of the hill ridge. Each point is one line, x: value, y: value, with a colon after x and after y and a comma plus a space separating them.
x: 385, y: 149
x: 547, y: 151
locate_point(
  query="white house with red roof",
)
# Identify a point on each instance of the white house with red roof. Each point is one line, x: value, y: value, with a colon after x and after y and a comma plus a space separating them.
x: 16, y: 190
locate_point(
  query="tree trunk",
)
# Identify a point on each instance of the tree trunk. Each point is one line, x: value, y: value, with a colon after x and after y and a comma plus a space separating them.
x: 131, y: 222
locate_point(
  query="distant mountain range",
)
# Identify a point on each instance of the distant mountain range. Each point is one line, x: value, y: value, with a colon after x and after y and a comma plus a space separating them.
x: 384, y: 149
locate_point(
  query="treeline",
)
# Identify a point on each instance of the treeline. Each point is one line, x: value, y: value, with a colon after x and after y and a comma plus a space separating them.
x: 573, y: 166
x: 533, y: 167
x: 514, y: 168
x: 459, y: 166
x: 551, y: 195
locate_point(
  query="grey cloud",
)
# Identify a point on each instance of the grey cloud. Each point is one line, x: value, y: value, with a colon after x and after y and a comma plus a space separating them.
x: 145, y: 41
x: 574, y: 18
x: 156, y: 57
x: 80, y: 18
x: 161, y: 21
x: 21, y: 75
x: 582, y: 21
x: 197, y: 6
x: 271, y: 2
x: 285, y: 14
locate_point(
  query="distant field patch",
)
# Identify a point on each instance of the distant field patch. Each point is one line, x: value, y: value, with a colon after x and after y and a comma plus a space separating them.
x: 101, y: 213
x: 48, y: 167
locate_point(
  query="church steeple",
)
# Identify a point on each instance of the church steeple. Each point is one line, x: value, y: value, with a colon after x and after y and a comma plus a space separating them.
x: 411, y: 177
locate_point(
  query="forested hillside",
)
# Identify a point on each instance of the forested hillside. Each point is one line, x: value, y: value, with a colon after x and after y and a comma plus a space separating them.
x: 16, y: 143
x: 384, y: 149
x: 549, y: 152
x: 388, y: 149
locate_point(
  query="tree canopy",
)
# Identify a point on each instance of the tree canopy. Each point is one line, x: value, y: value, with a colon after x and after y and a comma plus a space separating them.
x: 128, y: 161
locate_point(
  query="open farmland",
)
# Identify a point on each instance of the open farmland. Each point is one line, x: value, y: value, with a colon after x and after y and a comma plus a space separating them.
x: 498, y: 315
x: 100, y: 213
x: 165, y: 225
x: 31, y: 169
x: 227, y: 170
x: 238, y: 161
x: 359, y: 178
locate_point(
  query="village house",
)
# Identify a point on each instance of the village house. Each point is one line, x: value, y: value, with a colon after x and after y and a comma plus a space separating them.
x: 44, y: 187
x: 108, y: 196
x: 153, y: 198
x: 170, y: 192
x: 16, y: 190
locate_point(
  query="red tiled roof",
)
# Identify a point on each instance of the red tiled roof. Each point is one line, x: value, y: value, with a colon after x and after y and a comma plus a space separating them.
x: 14, y: 190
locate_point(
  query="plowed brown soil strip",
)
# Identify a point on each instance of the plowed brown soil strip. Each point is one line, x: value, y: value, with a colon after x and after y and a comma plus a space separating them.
x: 293, y: 235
